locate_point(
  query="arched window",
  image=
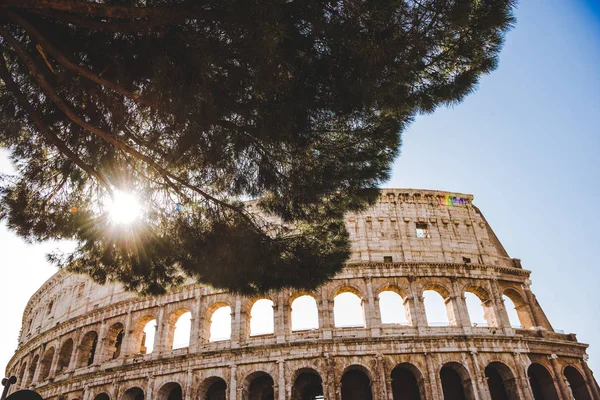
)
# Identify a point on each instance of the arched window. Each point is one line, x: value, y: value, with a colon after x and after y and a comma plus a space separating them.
x: 391, y: 306
x: 405, y: 385
x: 179, y: 329
x: 456, y: 384
x: 220, y: 324
x: 475, y: 309
x: 259, y: 386
x: 305, y: 314
x: 542, y: 384
x: 148, y: 336
x: 102, y: 396
x: 170, y: 391
x: 134, y: 393
x: 501, y: 382
x: 46, y: 364
x: 213, y: 388
x: 435, y: 308
x: 577, y: 384
x: 87, y: 350
x: 22, y: 375
x: 114, y: 341
x: 32, y: 368
x: 517, y: 309
x: 262, y: 318
x: 64, y: 356
x: 308, y: 385
x: 356, y: 385
x: 348, y: 310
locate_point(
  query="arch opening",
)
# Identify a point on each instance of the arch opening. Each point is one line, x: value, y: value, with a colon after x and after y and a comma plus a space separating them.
x: 262, y: 318
x: 517, y: 309
x: 213, y: 388
x: 143, y: 335
x: 64, y: 356
x: 436, y: 309
x: 220, y: 324
x: 87, y: 350
x: 542, y: 384
x: 134, y: 393
x: 114, y: 341
x: 475, y: 310
x: 501, y: 382
x: 259, y: 386
x: 356, y: 385
x: 405, y: 385
x: 170, y: 391
x: 181, y: 328
x: 348, y: 311
x: 392, y: 309
x: 577, y: 385
x: 305, y: 314
x: 308, y: 385
x: 456, y: 383
x: 46, y: 364
x: 102, y: 396
x: 32, y: 369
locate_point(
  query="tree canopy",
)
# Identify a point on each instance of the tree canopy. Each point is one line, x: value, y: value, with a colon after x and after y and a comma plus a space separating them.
x: 199, y: 105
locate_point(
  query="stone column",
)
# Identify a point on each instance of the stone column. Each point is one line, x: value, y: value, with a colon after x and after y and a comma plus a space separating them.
x: 280, y: 310
x: 500, y: 309
x: 459, y: 307
x: 281, y: 380
x: 73, y: 359
x: 381, y: 377
x: 149, y: 388
x: 372, y: 320
x: 415, y: 306
x: 187, y: 388
x: 161, y: 333
x: 326, y: 322
x: 434, y: 391
x: 565, y: 393
x: 126, y: 345
x: 232, y: 382
x: 591, y: 382
x: 197, y: 323
x: 330, y: 384
x: 480, y: 381
x: 521, y: 378
x: 236, y: 323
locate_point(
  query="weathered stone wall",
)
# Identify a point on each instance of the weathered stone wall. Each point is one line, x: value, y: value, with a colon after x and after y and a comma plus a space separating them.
x: 455, y: 252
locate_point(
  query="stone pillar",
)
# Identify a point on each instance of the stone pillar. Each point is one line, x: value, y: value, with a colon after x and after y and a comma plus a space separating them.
x: 590, y: 380
x: 197, y: 323
x: 280, y: 310
x: 161, y: 333
x: 149, y: 388
x: 522, y: 380
x: 236, y: 323
x: 281, y: 380
x: 560, y: 379
x: 232, y: 382
x: 187, y: 386
x: 73, y: 359
x: 459, y: 308
x: 326, y: 322
x: 330, y: 384
x: 415, y: 306
x: 500, y: 309
x: 126, y: 345
x: 434, y: 391
x: 479, y: 379
x: 380, y: 376
x: 372, y: 319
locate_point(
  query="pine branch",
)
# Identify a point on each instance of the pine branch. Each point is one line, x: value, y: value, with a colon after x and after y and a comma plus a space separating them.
x: 61, y: 58
x: 37, y: 119
x: 106, y: 136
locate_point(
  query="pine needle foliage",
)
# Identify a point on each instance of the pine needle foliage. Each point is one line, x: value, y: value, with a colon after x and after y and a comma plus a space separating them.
x: 197, y: 105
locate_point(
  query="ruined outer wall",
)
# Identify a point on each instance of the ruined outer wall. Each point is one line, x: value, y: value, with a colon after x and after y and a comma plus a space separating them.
x: 456, y: 252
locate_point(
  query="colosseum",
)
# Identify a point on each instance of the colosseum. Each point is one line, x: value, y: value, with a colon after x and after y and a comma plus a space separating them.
x: 82, y: 341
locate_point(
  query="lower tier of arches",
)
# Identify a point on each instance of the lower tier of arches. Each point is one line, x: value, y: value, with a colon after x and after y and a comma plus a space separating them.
x: 289, y: 373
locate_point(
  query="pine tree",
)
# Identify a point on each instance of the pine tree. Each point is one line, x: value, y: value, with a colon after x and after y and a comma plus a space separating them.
x: 197, y: 105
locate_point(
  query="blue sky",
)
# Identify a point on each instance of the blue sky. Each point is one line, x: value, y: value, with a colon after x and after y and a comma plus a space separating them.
x: 526, y: 144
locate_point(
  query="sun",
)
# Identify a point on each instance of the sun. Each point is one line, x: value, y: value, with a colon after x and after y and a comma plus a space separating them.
x: 124, y: 208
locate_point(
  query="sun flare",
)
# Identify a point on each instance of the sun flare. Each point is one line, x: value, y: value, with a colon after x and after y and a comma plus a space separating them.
x: 124, y: 208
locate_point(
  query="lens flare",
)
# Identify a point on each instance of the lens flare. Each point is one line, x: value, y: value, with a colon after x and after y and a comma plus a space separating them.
x: 124, y: 208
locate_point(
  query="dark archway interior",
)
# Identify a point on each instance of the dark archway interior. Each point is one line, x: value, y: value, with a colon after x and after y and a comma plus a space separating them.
x: 577, y: 384
x: 102, y: 396
x: 216, y: 391
x: 404, y: 384
x: 133, y: 394
x: 307, y: 386
x: 452, y: 385
x: 542, y: 383
x: 356, y: 385
x: 261, y: 388
x: 495, y: 384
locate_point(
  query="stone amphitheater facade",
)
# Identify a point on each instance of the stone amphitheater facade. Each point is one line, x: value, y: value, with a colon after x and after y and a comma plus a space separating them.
x: 82, y: 341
